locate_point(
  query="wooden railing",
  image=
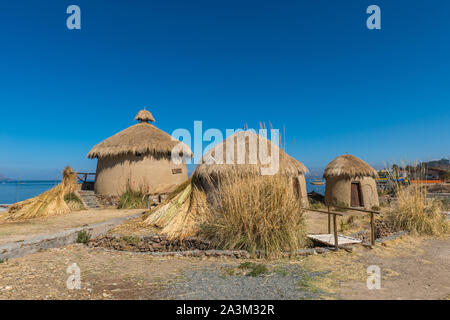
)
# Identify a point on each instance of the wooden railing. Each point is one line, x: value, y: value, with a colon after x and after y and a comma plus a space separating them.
x: 334, y: 214
x: 83, y: 176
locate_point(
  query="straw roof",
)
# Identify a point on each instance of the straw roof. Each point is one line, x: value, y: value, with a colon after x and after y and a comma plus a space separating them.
x: 140, y: 138
x: 210, y: 168
x: 348, y: 166
x: 144, y: 115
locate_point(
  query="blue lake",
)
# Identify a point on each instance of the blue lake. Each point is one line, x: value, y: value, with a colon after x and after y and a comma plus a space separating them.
x: 13, y: 191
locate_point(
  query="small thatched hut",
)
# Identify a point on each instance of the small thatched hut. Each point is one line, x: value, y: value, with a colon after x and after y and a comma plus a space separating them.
x: 350, y: 182
x: 209, y: 171
x: 197, y: 201
x: 138, y: 158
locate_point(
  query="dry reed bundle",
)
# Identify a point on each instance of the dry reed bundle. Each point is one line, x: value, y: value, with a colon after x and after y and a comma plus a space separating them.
x: 181, y: 215
x: 49, y: 203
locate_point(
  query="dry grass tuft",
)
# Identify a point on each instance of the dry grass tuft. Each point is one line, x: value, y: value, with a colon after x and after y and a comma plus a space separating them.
x: 416, y: 213
x: 132, y: 199
x: 259, y: 213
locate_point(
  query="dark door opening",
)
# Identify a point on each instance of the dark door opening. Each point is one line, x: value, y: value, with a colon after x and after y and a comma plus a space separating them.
x: 297, y: 190
x: 356, y: 196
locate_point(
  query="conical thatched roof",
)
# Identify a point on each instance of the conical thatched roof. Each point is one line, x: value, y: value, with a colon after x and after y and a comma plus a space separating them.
x: 209, y: 168
x: 138, y: 139
x: 348, y: 166
x: 145, y: 116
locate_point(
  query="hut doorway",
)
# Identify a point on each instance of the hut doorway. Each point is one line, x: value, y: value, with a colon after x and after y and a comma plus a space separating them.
x: 356, y: 195
x: 297, y: 188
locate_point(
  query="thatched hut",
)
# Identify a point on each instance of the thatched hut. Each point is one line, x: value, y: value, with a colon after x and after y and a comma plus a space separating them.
x: 209, y: 171
x: 350, y: 182
x: 198, y: 201
x: 138, y: 158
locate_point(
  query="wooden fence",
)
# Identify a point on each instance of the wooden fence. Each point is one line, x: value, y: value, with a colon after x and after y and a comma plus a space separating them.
x: 333, y: 214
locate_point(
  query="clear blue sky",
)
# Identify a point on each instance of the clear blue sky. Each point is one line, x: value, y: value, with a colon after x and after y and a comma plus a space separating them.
x: 309, y: 66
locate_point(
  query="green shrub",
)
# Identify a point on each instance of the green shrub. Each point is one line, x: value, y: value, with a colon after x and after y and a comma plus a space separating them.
x: 131, y: 199
x: 340, y: 206
x: 83, y: 237
x: 131, y: 240
x: 256, y: 269
x: 72, y: 197
x: 316, y: 205
x: 246, y: 265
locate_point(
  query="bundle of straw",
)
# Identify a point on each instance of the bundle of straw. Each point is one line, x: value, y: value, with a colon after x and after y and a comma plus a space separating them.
x: 182, y: 213
x: 49, y: 203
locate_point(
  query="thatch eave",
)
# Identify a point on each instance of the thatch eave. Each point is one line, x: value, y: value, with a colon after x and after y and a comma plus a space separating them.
x: 287, y: 165
x: 139, y: 139
x: 349, y: 167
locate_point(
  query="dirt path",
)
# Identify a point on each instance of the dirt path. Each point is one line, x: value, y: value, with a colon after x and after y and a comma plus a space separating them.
x: 411, y: 269
x: 104, y: 275
x: 420, y: 271
x: 24, y: 230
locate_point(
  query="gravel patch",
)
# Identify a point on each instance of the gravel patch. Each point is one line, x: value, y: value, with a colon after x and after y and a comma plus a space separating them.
x: 291, y: 283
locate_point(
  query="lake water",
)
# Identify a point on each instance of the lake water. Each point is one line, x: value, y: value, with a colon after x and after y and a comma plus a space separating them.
x: 310, y: 187
x: 11, y: 192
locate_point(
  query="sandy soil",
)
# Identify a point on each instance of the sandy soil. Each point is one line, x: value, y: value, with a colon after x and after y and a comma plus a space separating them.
x: 23, y: 230
x: 411, y: 268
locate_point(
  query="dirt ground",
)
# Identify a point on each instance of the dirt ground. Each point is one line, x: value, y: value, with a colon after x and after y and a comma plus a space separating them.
x: 23, y: 230
x: 317, y: 223
x: 411, y: 268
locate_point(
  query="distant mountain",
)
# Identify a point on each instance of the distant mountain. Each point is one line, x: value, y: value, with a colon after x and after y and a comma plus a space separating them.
x: 315, y: 173
x: 3, y: 178
x: 441, y: 164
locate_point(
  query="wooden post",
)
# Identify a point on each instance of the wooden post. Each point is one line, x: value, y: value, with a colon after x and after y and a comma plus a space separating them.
x: 329, y: 221
x: 372, y: 228
x: 335, y: 233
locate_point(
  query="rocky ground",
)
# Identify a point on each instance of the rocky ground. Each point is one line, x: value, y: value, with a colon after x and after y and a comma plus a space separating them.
x: 411, y: 268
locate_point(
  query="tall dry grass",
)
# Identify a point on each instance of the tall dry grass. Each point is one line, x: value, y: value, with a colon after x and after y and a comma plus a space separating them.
x: 257, y: 213
x: 414, y: 211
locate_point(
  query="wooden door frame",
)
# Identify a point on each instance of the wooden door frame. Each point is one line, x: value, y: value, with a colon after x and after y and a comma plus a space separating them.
x: 360, y: 194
